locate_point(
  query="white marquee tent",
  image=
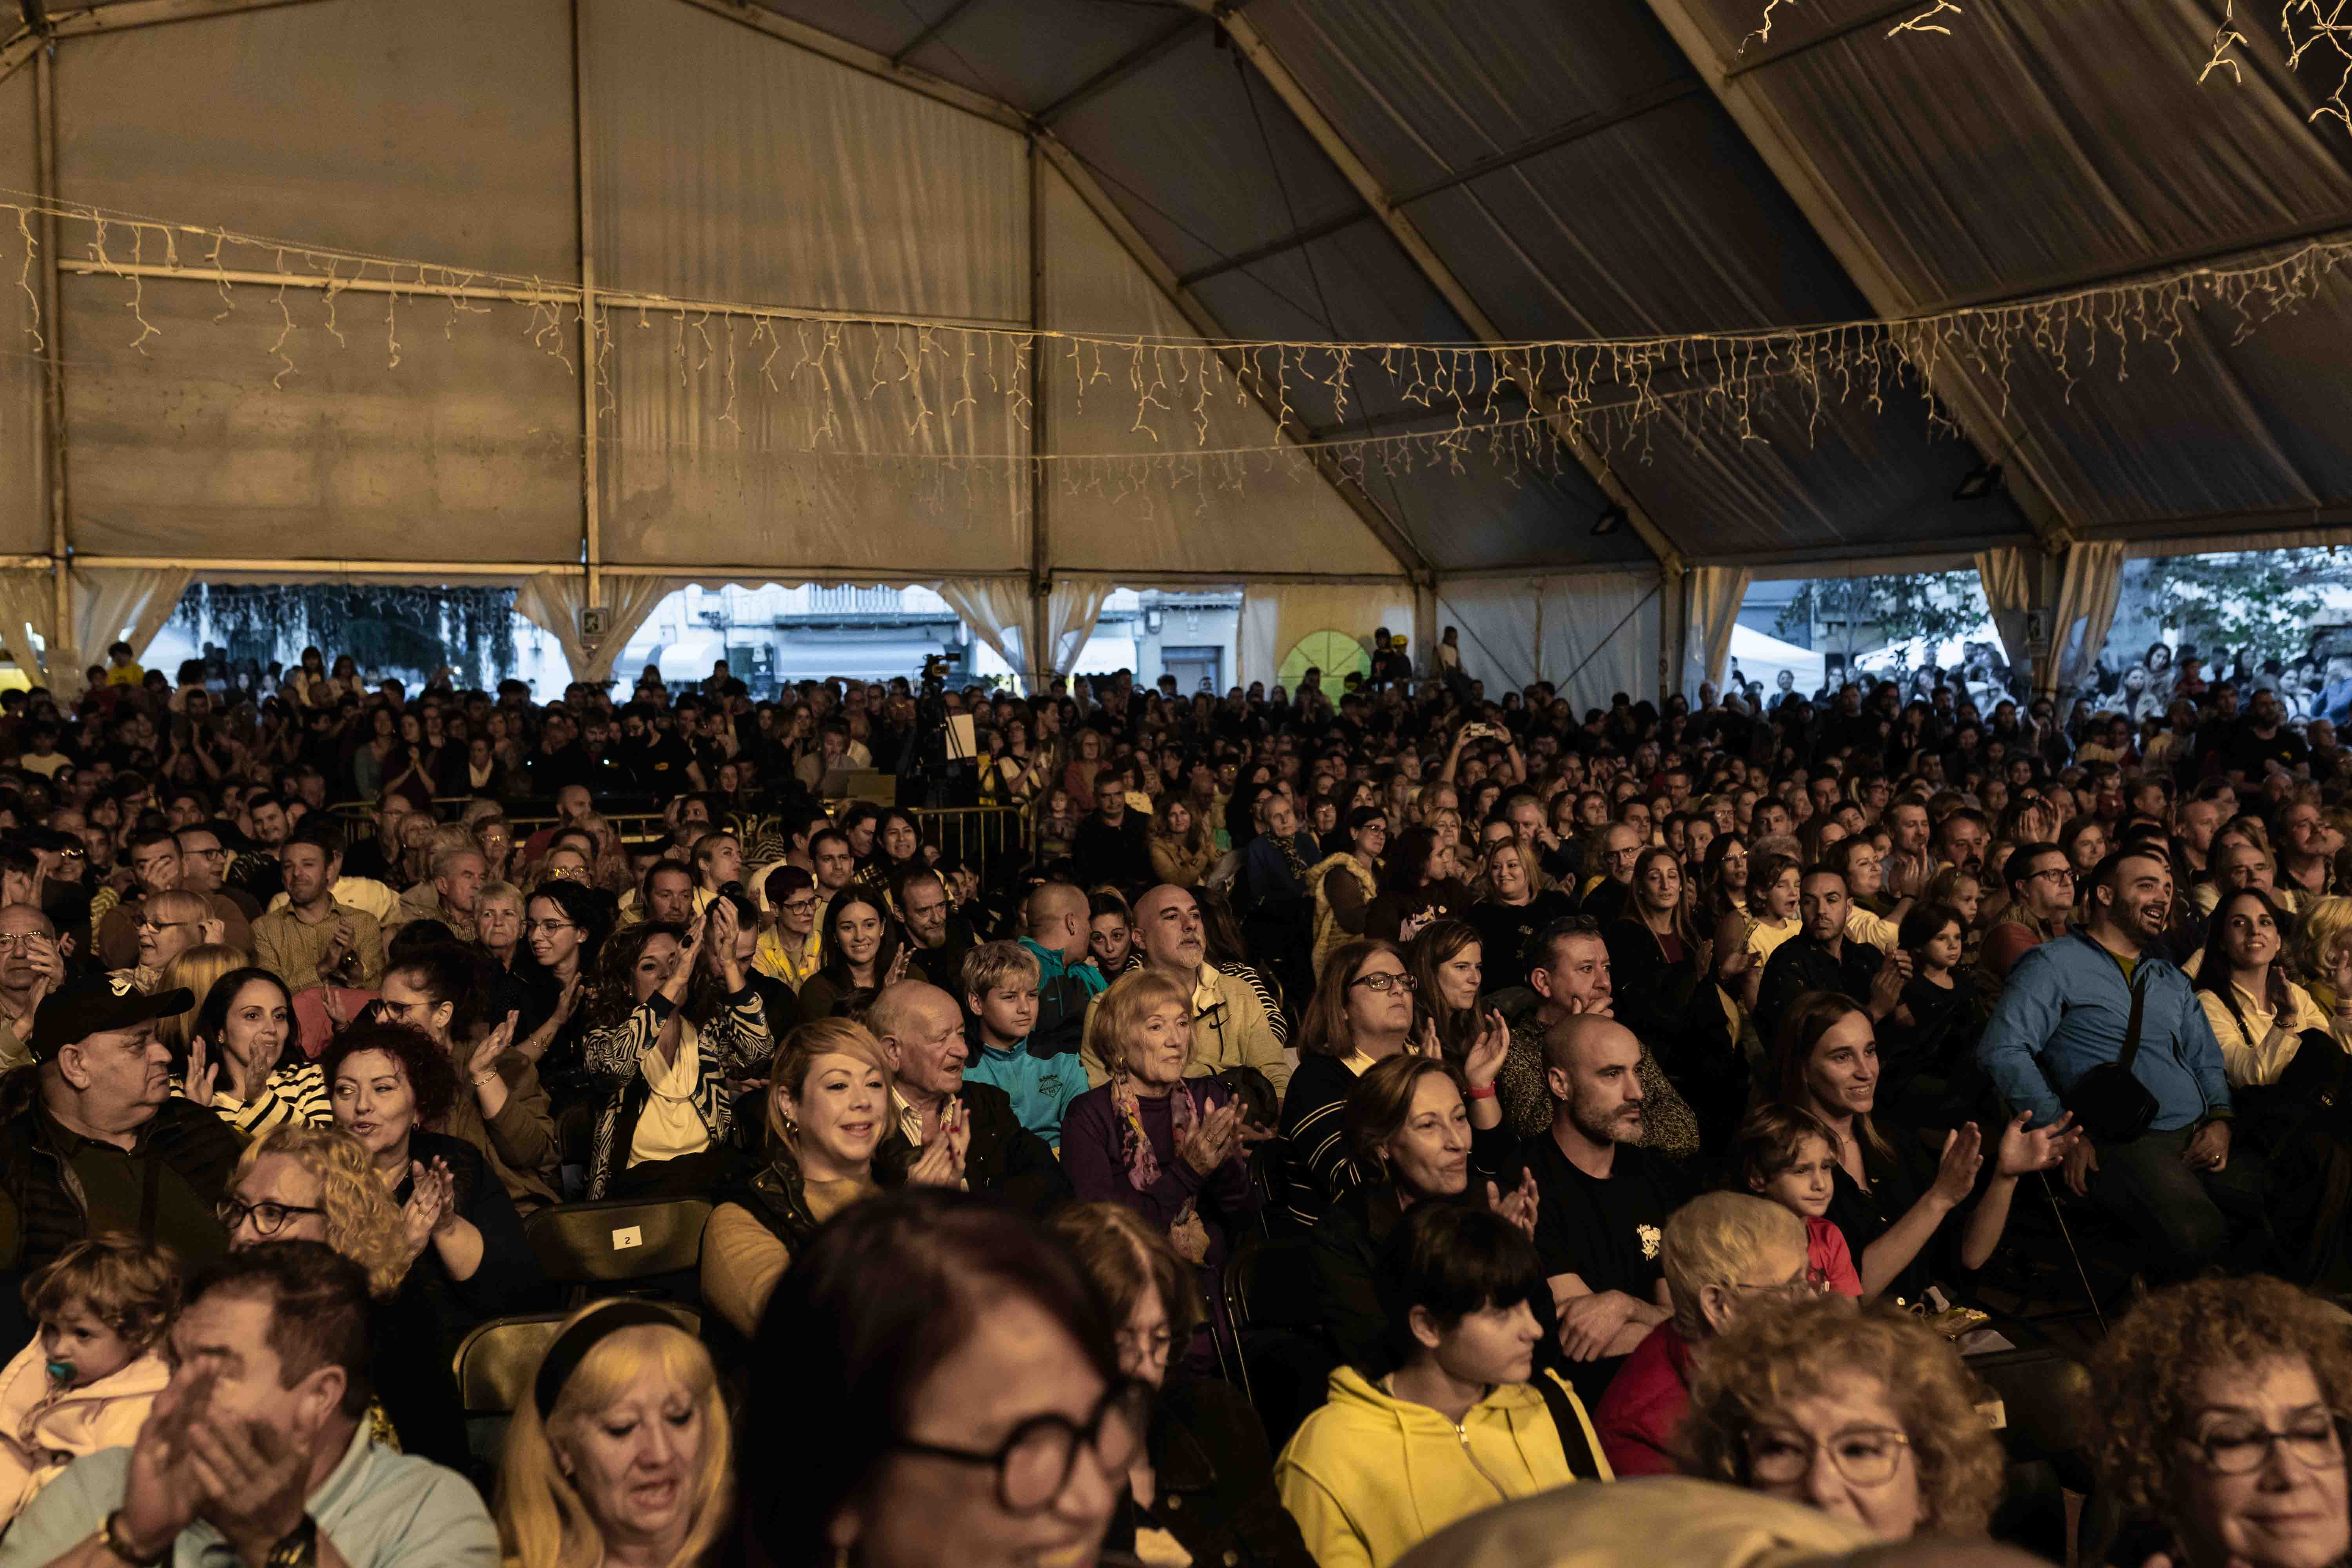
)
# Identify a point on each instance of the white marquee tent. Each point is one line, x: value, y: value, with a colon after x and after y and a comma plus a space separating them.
x: 1308, y: 171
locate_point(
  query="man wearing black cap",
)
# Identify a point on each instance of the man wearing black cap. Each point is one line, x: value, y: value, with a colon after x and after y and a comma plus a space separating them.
x: 91, y: 1140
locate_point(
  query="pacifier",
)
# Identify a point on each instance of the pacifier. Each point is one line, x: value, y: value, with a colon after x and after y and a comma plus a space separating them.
x: 62, y: 1371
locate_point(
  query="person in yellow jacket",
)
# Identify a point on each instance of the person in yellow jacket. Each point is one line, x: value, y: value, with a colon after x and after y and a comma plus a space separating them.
x: 1457, y: 1426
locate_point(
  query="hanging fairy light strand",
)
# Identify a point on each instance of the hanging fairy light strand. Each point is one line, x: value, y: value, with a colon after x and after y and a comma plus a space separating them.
x: 816, y: 387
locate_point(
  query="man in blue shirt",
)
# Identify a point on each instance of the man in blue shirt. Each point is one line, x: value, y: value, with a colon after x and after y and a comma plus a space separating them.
x: 2066, y: 1011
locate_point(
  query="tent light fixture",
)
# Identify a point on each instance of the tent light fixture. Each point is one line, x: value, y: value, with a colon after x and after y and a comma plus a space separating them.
x: 1609, y: 522
x: 1980, y: 483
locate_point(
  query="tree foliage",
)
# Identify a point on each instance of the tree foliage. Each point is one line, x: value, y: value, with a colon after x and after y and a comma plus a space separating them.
x: 2265, y: 601
x: 1927, y: 606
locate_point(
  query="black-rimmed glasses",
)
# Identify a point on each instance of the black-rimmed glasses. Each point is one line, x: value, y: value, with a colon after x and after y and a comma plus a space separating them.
x: 1384, y: 983
x: 2317, y: 1441
x: 269, y: 1218
x: 1033, y: 1464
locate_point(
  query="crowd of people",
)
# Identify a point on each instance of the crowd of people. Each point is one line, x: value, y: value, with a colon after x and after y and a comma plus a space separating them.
x: 1345, y: 1125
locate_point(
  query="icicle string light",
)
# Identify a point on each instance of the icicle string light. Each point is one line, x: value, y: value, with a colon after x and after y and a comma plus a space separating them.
x: 809, y: 389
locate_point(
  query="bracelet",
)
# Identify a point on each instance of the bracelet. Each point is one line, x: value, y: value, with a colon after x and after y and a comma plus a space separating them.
x: 1477, y: 1093
x: 298, y: 1548
x: 110, y: 1536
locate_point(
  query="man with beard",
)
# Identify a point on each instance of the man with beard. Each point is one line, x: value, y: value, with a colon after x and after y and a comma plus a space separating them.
x: 1824, y: 957
x: 1604, y: 1199
x: 314, y: 940
x: 2069, y: 1004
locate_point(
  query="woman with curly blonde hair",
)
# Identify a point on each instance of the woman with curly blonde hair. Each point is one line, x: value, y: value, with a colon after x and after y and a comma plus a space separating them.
x: 2217, y: 1408
x: 620, y: 1453
x: 300, y: 1183
x: 1863, y: 1412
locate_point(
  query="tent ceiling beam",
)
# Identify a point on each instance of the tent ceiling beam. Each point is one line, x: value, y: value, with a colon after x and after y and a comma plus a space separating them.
x: 1127, y: 65
x: 1815, y: 199
x: 1575, y: 130
x: 1433, y: 269
x: 122, y: 16
x: 1386, y: 528
x: 938, y: 24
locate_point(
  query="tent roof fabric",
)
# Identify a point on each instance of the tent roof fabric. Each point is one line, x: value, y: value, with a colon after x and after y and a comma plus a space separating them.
x: 1577, y: 169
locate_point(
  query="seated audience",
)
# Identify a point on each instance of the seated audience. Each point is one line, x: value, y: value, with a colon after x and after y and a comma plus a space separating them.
x: 1203, y: 1477
x: 1167, y: 1146
x: 861, y: 953
x: 1720, y: 1251
x: 970, y: 1379
x: 270, y: 1384
x: 1862, y: 1411
x: 1000, y: 992
x: 2215, y: 1417
x: 1362, y: 1013
x: 1459, y: 1414
x: 947, y: 1128
x: 619, y: 1451
x: 675, y: 1024
x: 1787, y: 1155
x: 247, y: 1046
x: 90, y: 1373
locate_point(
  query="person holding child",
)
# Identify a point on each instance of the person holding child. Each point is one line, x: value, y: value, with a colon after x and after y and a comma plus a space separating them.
x: 87, y: 1380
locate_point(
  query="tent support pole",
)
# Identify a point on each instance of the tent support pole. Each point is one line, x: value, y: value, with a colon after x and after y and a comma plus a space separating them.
x: 592, y: 540
x: 1040, y: 675
x: 53, y: 385
x: 1433, y: 268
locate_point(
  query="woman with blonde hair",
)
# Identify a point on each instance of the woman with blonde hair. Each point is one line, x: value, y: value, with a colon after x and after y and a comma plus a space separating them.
x: 1865, y: 1413
x: 195, y: 971
x: 622, y: 1454
x: 611, y: 871
x: 2322, y: 948
x: 829, y: 1108
x: 168, y: 925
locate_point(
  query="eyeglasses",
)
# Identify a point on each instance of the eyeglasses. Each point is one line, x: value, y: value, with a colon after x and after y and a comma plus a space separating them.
x: 1384, y: 983
x: 797, y: 906
x: 215, y: 852
x: 267, y: 1218
x: 2062, y: 873
x: 1033, y: 1465
x: 22, y: 942
x: 535, y: 927
x: 1865, y: 1455
x: 2317, y: 1440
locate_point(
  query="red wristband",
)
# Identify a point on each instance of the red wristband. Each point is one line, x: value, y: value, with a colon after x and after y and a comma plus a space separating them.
x: 1477, y: 1093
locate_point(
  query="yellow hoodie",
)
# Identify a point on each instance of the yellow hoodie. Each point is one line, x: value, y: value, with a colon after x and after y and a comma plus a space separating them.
x: 1368, y: 1476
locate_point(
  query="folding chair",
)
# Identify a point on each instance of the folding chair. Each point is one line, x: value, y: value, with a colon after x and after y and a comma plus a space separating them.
x: 495, y: 1366
x: 653, y: 1245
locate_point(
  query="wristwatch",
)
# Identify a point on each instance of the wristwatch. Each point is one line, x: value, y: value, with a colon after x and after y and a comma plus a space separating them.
x: 298, y: 1548
x: 110, y: 1536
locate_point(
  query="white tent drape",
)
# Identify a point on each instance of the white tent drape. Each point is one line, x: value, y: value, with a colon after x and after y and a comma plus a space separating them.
x: 1715, y: 593
x: 552, y: 602
x: 1591, y: 635
x: 2075, y: 594
x: 28, y: 606
x: 2087, y: 608
x: 112, y: 604
x: 1071, y: 610
x: 997, y: 611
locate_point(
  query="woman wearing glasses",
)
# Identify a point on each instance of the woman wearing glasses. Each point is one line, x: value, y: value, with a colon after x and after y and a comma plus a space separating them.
x: 1863, y: 1413
x: 564, y: 927
x: 297, y: 1182
x: 974, y: 1408
x: 1362, y: 1013
x: 790, y: 948
x: 2215, y: 1414
x: 1203, y: 1477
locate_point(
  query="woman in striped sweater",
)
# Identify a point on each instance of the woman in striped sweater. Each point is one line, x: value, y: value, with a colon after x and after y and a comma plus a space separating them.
x: 245, y: 1059
x: 1362, y: 1013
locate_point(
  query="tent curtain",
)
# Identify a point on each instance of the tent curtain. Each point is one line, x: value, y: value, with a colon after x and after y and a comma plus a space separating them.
x: 1715, y: 594
x: 2087, y: 608
x: 2077, y: 597
x: 28, y: 604
x: 997, y: 611
x: 112, y: 604
x: 1591, y: 635
x: 552, y: 601
x: 1071, y: 610
x: 1277, y: 617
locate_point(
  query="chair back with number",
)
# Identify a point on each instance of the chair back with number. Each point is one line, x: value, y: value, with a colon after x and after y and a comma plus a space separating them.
x: 592, y: 1247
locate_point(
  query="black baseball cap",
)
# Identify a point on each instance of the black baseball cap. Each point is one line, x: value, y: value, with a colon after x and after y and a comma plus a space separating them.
x: 96, y: 1005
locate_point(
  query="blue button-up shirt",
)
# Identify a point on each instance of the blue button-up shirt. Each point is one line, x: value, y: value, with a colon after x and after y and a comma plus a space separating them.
x: 2064, y: 1011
